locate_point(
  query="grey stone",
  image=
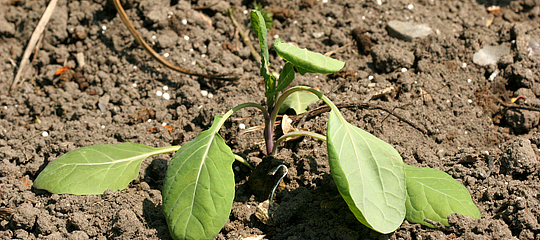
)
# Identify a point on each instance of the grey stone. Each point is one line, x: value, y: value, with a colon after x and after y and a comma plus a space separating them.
x: 490, y: 54
x: 408, y: 30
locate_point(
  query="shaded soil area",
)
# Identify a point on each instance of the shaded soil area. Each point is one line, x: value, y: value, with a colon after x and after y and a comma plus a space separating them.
x: 464, y: 118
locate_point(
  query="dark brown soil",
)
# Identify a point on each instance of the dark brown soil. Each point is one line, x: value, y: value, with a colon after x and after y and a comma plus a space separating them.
x: 465, y: 123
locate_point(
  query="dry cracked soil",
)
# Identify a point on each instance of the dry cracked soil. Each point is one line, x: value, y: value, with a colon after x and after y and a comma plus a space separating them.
x: 477, y: 123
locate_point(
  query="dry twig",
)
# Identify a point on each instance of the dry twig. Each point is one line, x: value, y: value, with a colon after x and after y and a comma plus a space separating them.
x: 244, y: 36
x: 328, y: 54
x: 33, y: 41
x: 140, y: 40
x: 325, y: 108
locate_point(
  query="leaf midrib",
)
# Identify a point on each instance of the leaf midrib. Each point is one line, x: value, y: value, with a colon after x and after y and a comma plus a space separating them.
x: 197, y: 181
x: 445, y: 194
x: 131, y: 159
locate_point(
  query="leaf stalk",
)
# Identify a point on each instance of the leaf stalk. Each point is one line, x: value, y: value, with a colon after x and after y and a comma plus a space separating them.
x: 296, y: 134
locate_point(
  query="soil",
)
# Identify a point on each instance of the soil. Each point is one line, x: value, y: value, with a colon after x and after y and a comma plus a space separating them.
x: 463, y: 120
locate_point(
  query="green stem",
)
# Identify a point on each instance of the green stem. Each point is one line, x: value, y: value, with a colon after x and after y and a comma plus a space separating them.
x: 243, y: 105
x: 233, y: 110
x: 243, y: 161
x: 296, y: 134
x: 289, y: 91
x: 168, y: 149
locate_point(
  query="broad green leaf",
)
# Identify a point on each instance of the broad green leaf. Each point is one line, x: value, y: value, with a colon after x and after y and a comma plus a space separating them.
x: 433, y: 194
x: 259, y: 27
x: 198, y: 191
x: 369, y: 174
x: 298, y: 101
x: 307, y: 61
x: 94, y: 169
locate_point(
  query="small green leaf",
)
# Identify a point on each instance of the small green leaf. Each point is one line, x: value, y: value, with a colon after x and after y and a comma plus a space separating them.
x: 259, y: 27
x: 433, y: 194
x: 198, y: 190
x: 369, y: 174
x: 268, y: 19
x: 307, y: 61
x: 285, y: 77
x: 94, y: 169
x: 298, y: 101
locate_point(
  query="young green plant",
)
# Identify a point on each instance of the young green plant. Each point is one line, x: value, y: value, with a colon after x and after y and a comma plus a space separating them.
x: 198, y: 191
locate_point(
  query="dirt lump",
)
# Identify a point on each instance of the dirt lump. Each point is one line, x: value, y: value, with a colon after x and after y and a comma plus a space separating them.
x: 25, y: 216
x: 390, y: 57
x: 519, y: 159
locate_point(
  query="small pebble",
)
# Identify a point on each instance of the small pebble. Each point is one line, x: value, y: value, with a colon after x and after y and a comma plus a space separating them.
x: 464, y: 65
x: 102, y: 126
x: 408, y: 30
x: 159, y: 93
x: 318, y: 34
x: 276, y: 36
x: 204, y: 93
x: 489, y: 55
x: 184, y: 21
x: 403, y: 69
x: 210, y: 95
x: 165, y: 88
x: 166, y: 54
x: 533, y: 48
x: 164, y: 124
x: 203, y: 55
x: 149, y: 120
x: 242, y: 126
x: 104, y: 27
x: 166, y: 96
x: 134, y: 85
x: 469, y: 80
x: 370, y: 77
x: 45, y: 134
x: 410, y: 7
x: 245, y: 11
x: 186, y: 37
x: 154, y: 37
x: 470, y: 101
x: 493, y: 75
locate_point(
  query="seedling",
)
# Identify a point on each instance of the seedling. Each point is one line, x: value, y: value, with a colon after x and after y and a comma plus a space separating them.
x: 198, y: 191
